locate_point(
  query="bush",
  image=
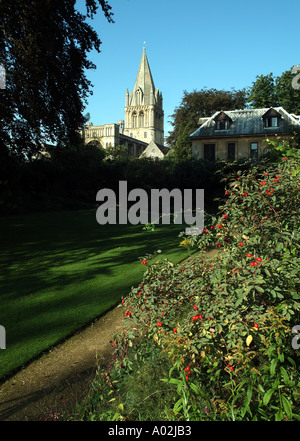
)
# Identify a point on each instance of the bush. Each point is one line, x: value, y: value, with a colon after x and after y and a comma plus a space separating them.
x: 224, y: 322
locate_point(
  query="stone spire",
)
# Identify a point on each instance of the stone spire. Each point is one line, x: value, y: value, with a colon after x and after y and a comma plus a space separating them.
x: 144, y: 85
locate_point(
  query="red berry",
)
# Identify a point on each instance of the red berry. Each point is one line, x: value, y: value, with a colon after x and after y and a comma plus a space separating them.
x: 259, y: 259
x: 159, y: 324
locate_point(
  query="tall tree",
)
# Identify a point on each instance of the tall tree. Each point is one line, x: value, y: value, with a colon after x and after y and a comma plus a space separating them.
x: 288, y: 97
x: 198, y: 104
x: 43, y: 48
x: 271, y: 91
x: 263, y: 92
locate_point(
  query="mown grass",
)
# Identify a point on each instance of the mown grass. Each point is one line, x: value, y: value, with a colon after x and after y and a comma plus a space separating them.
x: 61, y: 270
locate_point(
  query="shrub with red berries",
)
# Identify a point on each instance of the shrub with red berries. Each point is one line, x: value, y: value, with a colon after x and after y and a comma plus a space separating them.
x: 224, y: 318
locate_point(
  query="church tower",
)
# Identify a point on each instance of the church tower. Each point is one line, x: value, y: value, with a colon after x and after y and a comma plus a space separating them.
x: 144, y: 115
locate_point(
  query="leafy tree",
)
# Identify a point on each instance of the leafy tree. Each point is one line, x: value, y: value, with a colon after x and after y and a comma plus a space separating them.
x: 119, y: 151
x: 202, y: 103
x: 288, y: 97
x: 43, y: 47
x: 271, y: 91
x: 263, y: 92
x: 183, y: 148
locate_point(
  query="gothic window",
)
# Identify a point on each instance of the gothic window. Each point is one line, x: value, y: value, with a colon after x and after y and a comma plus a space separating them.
x: 138, y: 97
x: 134, y: 120
x: 141, y: 118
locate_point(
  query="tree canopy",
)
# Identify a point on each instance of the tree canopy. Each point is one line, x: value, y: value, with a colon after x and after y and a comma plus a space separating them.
x: 43, y: 48
x: 198, y: 104
x: 271, y: 91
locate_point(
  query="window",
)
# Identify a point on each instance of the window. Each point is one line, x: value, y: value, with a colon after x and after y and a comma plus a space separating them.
x: 209, y: 152
x: 223, y: 124
x: 231, y: 151
x: 141, y: 117
x: 272, y: 122
x: 138, y: 97
x: 134, y: 120
x: 271, y: 118
x: 222, y: 121
x: 254, y: 150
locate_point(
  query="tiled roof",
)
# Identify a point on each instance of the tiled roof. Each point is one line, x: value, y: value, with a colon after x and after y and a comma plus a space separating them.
x: 246, y: 122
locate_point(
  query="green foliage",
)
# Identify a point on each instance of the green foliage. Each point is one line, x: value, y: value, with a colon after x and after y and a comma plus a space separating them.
x: 223, y: 321
x: 44, y: 47
x: 202, y: 103
x: 263, y: 92
x: 271, y: 91
x: 119, y: 151
x: 72, y: 178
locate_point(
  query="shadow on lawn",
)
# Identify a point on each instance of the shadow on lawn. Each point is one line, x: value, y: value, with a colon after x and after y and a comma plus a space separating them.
x: 50, y: 266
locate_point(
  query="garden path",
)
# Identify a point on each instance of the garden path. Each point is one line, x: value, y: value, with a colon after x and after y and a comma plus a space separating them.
x: 60, y: 378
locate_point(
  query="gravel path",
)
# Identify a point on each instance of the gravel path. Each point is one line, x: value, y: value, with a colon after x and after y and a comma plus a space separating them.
x: 60, y: 378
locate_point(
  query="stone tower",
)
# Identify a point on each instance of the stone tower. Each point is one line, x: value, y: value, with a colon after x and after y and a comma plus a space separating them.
x: 144, y: 115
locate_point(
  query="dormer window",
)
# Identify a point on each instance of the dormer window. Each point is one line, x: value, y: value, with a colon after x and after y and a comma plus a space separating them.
x: 222, y: 121
x: 271, y: 118
x: 271, y: 122
x: 223, y: 125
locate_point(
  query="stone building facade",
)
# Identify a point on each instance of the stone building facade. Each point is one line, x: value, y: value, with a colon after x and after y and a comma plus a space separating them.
x: 236, y: 134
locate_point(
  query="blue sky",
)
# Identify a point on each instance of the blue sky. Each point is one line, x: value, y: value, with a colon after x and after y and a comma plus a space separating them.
x: 190, y: 45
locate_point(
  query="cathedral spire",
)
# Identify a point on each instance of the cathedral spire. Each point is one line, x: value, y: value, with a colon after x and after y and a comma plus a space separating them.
x: 144, y: 115
x: 144, y: 83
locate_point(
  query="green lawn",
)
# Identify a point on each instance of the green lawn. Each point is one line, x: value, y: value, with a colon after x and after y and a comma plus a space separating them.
x: 58, y: 271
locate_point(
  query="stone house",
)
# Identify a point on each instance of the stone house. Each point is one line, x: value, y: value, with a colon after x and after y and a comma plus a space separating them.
x: 236, y: 134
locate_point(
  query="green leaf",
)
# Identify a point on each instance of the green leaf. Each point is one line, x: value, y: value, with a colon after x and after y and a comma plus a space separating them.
x: 285, y: 376
x: 287, y: 407
x: 178, y: 406
x: 267, y: 396
x: 278, y: 415
x: 248, y: 399
x: 273, y: 366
